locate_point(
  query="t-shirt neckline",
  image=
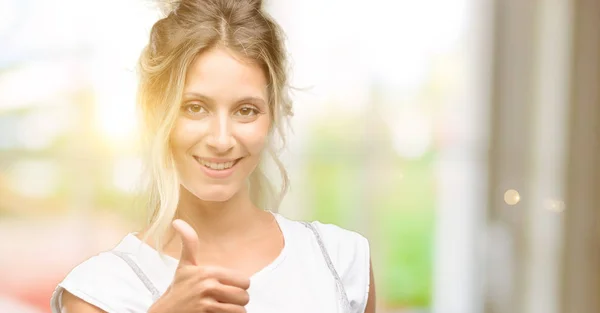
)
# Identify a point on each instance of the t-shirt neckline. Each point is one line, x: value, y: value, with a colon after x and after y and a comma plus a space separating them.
x: 131, y: 240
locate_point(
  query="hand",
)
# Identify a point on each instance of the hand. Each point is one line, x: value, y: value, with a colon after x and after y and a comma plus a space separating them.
x: 201, y: 289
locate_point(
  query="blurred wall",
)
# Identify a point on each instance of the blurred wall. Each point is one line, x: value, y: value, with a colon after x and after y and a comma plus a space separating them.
x: 581, y: 270
x: 542, y: 250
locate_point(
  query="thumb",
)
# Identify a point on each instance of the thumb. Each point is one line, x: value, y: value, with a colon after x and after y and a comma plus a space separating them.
x: 190, y: 245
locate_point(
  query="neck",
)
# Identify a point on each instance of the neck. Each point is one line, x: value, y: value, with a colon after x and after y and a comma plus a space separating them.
x: 217, y: 222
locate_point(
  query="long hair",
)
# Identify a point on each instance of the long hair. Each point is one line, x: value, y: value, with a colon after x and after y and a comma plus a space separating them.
x: 189, y: 28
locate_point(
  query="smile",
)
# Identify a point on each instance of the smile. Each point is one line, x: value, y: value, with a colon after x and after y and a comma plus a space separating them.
x: 217, y: 168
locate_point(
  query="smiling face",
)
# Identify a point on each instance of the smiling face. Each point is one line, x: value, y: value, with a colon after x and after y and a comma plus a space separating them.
x: 223, y: 125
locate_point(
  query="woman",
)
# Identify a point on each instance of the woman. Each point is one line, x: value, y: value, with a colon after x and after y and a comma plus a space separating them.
x: 213, y: 97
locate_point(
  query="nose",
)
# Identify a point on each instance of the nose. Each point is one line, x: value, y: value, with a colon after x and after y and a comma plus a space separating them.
x: 220, y: 138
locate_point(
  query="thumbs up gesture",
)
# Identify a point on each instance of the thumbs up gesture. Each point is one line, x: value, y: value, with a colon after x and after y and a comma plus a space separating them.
x: 201, y: 289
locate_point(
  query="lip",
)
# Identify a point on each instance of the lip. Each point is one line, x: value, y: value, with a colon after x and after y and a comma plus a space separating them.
x: 216, y: 160
x: 218, y: 174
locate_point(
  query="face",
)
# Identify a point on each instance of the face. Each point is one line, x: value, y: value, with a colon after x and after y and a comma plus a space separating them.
x: 222, y: 127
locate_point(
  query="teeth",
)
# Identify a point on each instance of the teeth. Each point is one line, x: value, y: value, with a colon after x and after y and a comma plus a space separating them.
x: 217, y: 166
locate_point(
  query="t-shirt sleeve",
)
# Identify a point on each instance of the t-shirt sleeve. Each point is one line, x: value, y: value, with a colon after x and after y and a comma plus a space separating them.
x: 350, y: 254
x: 107, y: 282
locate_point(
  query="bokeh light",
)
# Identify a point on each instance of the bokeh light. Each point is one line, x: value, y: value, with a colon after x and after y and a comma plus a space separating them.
x: 512, y: 197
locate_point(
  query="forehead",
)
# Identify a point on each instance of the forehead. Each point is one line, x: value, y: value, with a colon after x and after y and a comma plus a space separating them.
x: 220, y: 74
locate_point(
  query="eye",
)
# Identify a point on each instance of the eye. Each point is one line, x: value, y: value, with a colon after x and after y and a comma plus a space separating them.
x: 247, y: 111
x: 194, y: 109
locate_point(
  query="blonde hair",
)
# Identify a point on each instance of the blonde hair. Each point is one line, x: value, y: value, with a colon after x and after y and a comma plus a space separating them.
x: 189, y: 28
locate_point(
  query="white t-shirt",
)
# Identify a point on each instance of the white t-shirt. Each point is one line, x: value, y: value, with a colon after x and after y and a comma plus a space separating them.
x: 298, y: 280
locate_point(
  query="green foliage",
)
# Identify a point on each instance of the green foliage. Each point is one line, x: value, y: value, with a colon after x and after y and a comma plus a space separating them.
x: 403, y: 207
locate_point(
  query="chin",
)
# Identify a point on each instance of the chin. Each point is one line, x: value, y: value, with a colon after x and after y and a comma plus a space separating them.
x: 215, y: 193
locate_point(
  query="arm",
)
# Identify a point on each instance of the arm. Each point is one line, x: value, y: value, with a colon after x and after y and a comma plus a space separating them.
x: 370, y: 308
x: 73, y: 304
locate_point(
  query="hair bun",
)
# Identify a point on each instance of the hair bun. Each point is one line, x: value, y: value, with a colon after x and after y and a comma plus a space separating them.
x: 166, y: 7
x: 257, y: 3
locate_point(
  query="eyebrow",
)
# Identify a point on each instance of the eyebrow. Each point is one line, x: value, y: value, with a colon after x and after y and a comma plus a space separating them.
x: 209, y: 100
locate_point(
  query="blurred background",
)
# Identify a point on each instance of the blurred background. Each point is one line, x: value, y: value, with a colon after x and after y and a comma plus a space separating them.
x: 459, y: 136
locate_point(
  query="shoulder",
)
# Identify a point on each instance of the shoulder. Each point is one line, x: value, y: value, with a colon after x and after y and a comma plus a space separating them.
x: 345, y: 247
x: 349, y: 252
x: 105, y: 281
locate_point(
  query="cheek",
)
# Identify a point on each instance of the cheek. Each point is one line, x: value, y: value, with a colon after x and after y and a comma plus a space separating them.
x: 184, y: 134
x: 253, y: 136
